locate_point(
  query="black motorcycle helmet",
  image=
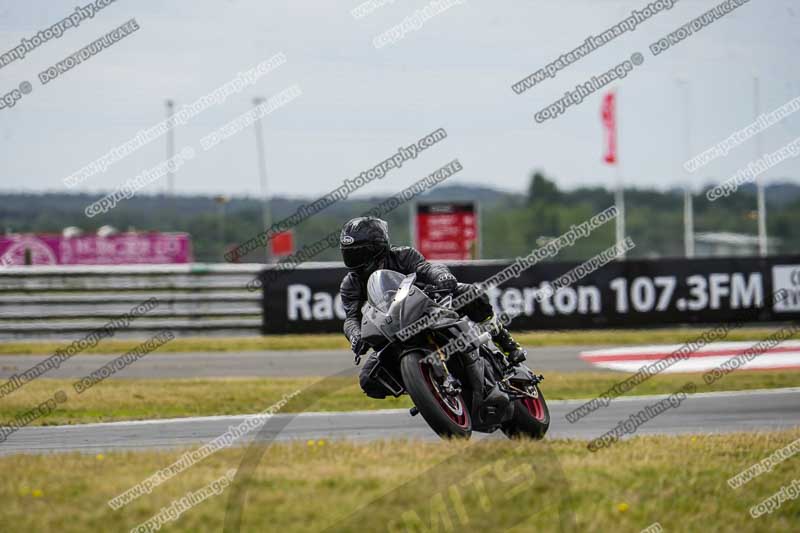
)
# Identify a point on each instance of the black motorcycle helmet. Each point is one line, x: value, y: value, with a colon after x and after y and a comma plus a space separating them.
x: 364, y: 244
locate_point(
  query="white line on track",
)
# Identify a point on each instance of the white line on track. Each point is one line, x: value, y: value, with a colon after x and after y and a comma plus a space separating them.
x: 377, y: 412
x: 717, y: 394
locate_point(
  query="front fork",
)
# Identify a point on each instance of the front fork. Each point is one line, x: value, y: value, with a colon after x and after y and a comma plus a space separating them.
x: 438, y: 363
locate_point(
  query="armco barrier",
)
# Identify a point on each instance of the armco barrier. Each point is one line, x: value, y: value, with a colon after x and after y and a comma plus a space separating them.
x: 621, y: 294
x: 69, y: 301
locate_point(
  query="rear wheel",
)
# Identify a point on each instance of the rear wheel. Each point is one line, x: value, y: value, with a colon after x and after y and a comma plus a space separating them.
x: 531, y: 417
x: 447, y: 415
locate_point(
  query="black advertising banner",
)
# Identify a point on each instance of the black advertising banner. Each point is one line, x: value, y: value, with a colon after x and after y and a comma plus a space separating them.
x: 621, y: 294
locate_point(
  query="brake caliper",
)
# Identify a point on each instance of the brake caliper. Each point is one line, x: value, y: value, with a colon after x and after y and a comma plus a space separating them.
x: 451, y: 386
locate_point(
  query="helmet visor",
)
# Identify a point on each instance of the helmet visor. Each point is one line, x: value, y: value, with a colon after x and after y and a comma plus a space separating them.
x: 355, y: 257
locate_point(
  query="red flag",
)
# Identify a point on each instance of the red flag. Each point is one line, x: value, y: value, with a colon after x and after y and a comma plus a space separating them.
x: 609, y: 116
x: 282, y: 243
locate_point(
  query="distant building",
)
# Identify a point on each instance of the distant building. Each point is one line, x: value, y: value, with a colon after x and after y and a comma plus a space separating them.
x: 723, y: 244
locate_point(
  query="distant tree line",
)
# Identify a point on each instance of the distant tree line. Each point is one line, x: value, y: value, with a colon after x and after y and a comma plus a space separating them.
x: 511, y: 224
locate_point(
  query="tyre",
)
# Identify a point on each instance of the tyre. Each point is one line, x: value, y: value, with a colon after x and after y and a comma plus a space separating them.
x: 531, y: 418
x: 448, y: 416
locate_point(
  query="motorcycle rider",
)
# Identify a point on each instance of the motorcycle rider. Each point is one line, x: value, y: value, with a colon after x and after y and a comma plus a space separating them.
x: 365, y: 248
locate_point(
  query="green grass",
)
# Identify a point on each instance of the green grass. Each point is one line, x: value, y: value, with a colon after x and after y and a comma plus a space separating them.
x: 338, y: 342
x: 495, y: 485
x: 128, y: 399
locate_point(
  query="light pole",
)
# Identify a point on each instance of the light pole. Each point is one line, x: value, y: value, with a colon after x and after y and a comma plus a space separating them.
x: 688, y: 207
x: 762, y: 203
x: 170, y: 148
x: 266, y: 215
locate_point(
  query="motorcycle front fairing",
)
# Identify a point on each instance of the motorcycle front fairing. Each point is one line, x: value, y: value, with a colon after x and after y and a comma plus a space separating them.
x: 394, y: 303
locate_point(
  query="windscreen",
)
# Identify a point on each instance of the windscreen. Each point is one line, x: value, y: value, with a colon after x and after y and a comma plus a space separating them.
x: 381, y: 288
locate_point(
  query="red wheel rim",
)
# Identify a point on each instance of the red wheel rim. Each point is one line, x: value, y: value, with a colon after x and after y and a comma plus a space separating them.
x: 455, y: 408
x: 535, y: 407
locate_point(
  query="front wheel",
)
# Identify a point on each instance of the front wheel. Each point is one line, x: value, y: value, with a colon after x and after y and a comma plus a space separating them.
x: 531, y: 417
x: 447, y: 415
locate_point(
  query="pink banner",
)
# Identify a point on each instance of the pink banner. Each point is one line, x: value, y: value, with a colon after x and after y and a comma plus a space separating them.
x: 121, y: 249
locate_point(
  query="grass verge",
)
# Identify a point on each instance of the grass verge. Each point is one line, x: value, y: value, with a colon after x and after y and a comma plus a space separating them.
x: 128, y: 399
x: 679, y: 482
x: 338, y: 342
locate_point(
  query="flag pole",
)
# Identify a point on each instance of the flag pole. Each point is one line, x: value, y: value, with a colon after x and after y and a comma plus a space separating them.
x: 619, y: 201
x: 610, y: 119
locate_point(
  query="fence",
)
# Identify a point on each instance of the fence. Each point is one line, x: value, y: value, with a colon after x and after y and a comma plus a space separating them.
x: 198, y: 299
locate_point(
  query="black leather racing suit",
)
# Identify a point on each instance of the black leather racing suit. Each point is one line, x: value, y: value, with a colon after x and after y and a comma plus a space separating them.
x: 405, y: 260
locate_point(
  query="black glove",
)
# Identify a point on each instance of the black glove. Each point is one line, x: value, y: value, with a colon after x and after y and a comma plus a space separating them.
x: 359, y: 348
x: 446, y: 281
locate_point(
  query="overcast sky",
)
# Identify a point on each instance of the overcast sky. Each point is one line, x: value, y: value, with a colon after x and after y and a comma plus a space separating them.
x: 360, y: 103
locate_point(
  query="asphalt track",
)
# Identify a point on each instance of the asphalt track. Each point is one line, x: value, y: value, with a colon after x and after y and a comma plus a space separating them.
x: 702, y: 413
x: 259, y: 364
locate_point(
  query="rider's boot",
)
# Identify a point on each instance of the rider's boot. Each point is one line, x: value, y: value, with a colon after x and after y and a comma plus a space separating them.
x: 503, y: 339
